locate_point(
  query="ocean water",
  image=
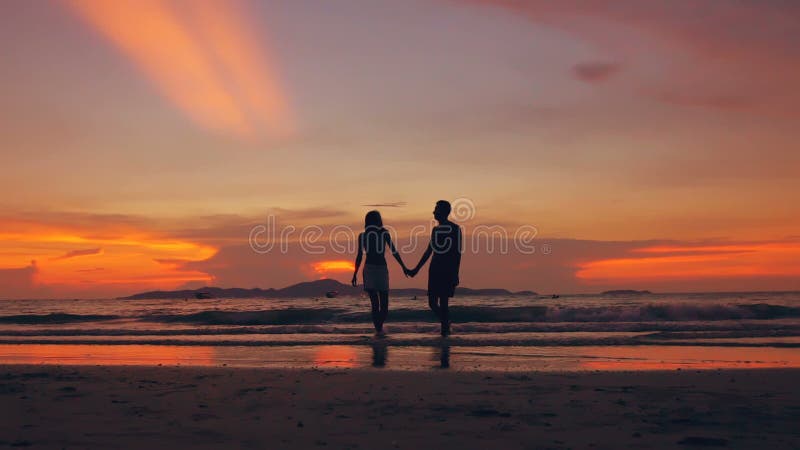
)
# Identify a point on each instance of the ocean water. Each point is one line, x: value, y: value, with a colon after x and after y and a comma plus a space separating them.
x: 512, y: 332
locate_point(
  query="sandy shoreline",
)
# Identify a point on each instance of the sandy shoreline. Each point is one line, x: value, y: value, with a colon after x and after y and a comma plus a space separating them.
x: 177, y: 407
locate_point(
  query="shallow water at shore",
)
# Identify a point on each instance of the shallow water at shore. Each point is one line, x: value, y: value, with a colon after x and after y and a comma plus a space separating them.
x: 514, y: 333
x: 509, y: 320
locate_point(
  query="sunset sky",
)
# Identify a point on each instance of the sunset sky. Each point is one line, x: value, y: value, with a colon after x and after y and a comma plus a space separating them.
x: 652, y: 143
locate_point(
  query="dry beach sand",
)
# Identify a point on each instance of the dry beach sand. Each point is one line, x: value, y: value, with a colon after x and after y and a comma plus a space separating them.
x: 182, y: 407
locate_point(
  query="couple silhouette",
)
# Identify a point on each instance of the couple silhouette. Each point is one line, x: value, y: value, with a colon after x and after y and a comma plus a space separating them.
x: 444, y: 250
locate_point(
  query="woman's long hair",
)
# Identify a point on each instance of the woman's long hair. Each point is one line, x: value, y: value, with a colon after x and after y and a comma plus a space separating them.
x: 373, y: 221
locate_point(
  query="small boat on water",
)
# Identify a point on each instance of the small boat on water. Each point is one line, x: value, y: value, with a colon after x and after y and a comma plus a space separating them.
x: 331, y: 294
x: 202, y: 295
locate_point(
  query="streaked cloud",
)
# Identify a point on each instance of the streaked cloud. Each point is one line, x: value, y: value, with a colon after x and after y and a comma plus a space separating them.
x: 729, y: 102
x: 596, y: 71
x: 387, y: 205
x: 203, y: 56
x: 171, y: 261
x: 77, y: 253
x: 693, y: 262
x: 315, y: 215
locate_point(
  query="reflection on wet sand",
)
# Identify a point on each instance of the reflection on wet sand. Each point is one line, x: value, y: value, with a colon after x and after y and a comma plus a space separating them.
x: 375, y: 354
x: 379, y: 353
x: 686, y: 357
x: 444, y: 356
x: 336, y: 356
x: 107, y: 355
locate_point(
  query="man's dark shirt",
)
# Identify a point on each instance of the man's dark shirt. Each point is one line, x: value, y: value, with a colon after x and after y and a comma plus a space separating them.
x: 446, y: 257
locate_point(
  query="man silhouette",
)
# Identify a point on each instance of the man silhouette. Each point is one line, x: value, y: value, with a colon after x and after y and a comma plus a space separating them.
x: 445, y: 246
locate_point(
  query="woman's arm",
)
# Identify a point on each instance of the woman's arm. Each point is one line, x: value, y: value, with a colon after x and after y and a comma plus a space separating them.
x: 354, y: 282
x: 395, y: 253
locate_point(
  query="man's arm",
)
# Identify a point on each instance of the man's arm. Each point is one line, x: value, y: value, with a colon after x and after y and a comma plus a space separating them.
x: 424, y: 258
x: 458, y: 252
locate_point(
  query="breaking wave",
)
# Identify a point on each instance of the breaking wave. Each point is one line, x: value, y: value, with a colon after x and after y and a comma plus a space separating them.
x: 54, y: 318
x: 544, y: 316
x: 485, y: 314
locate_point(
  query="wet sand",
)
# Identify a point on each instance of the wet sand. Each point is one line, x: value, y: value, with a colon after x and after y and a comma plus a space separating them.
x: 383, y: 355
x: 180, y: 407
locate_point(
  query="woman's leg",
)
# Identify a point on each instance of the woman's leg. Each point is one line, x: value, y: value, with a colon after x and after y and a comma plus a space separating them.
x: 376, y: 313
x: 384, y: 299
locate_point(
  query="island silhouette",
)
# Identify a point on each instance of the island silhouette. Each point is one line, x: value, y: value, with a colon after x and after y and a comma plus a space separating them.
x: 316, y: 288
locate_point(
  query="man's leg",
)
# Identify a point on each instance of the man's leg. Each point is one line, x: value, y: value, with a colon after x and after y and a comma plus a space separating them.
x: 433, y: 304
x: 444, y: 314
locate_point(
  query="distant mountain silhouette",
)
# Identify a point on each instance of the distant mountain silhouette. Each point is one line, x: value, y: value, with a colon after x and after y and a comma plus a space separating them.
x: 525, y: 293
x: 626, y: 292
x: 316, y: 288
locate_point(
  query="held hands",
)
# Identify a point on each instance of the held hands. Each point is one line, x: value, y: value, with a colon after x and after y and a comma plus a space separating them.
x: 411, y: 272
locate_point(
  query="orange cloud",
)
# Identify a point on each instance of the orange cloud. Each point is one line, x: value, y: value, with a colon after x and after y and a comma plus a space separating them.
x: 203, y: 58
x: 771, y: 259
x: 326, y: 267
x: 128, y: 257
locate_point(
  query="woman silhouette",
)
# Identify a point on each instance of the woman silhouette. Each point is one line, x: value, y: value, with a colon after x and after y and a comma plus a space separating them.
x: 373, y: 242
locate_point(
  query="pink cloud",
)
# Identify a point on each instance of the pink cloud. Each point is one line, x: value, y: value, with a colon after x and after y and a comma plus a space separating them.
x: 705, y: 100
x: 724, y: 55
